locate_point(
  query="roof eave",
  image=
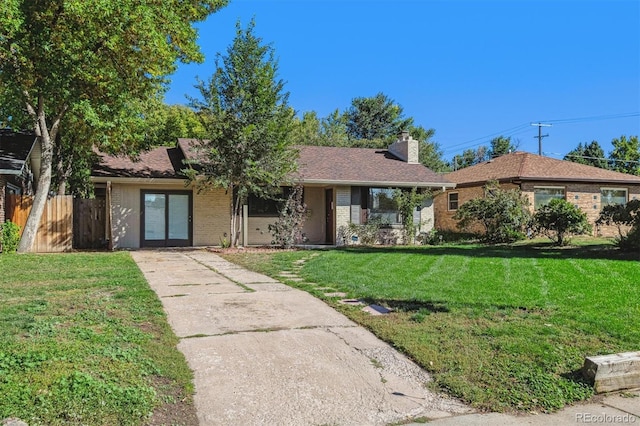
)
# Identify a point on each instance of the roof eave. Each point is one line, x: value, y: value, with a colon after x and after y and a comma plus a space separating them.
x: 137, y: 180
x: 395, y: 184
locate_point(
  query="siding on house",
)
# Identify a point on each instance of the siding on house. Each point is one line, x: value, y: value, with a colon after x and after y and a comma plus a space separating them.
x: 211, y: 220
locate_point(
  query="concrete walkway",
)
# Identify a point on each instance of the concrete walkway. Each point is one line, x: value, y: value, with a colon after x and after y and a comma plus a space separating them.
x: 264, y: 353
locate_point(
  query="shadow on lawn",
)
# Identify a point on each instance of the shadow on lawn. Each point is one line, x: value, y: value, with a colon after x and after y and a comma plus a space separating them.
x: 539, y: 251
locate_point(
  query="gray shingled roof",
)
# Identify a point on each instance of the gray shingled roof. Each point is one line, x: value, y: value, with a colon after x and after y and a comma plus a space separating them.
x: 527, y: 166
x: 15, y: 148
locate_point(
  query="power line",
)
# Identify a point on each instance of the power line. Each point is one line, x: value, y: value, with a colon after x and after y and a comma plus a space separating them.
x: 522, y: 128
x: 609, y: 160
x: 595, y: 118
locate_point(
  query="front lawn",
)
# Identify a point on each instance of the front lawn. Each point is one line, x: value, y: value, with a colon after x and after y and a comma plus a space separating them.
x: 84, y: 340
x: 503, y: 328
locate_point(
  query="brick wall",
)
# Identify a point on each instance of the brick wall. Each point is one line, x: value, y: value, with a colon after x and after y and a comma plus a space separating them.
x: 343, y: 208
x: 584, y: 195
x: 587, y: 196
x: 211, y: 217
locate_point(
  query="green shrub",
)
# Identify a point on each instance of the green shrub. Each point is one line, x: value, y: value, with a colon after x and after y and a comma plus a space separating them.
x: 503, y: 214
x: 559, y: 219
x: 366, y: 233
x: 624, y: 216
x: 10, y: 237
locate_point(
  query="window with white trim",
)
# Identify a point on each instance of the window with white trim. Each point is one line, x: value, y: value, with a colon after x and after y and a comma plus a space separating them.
x: 610, y: 196
x: 543, y: 194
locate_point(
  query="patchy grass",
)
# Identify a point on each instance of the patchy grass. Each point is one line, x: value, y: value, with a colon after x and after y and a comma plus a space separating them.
x: 503, y: 328
x: 84, y: 340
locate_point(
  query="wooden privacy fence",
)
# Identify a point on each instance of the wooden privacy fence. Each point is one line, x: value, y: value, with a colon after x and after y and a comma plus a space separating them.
x: 89, y: 223
x: 55, y: 233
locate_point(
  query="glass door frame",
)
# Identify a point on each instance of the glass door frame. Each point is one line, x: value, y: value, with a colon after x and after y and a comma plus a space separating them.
x: 166, y: 242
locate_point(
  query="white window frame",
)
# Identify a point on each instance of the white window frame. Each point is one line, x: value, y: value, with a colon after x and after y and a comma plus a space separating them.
x: 626, y: 195
x: 563, y: 188
x: 449, y: 201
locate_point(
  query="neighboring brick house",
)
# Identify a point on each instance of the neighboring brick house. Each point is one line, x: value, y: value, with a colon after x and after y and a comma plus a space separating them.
x: 541, y: 179
x: 151, y: 204
x: 19, y: 165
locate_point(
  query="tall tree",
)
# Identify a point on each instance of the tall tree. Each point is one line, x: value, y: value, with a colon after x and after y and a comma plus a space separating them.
x: 167, y: 123
x: 334, y: 129
x: 93, y: 57
x: 248, y: 150
x: 469, y: 158
x: 500, y: 146
x: 625, y: 156
x: 378, y: 117
x: 307, y: 130
x: 591, y: 155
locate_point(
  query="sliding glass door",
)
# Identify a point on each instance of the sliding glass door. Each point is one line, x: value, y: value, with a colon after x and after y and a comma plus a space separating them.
x: 166, y: 219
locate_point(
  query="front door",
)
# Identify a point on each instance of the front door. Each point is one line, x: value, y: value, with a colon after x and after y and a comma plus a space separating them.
x: 329, y: 213
x: 166, y: 219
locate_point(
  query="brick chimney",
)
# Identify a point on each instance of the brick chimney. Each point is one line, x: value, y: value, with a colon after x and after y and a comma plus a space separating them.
x: 405, y: 148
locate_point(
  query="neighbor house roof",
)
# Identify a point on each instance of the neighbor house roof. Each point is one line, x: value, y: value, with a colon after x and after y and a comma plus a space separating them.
x: 15, y: 148
x: 317, y: 165
x: 523, y: 166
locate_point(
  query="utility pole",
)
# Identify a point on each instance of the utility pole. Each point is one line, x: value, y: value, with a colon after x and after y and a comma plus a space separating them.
x: 540, y: 135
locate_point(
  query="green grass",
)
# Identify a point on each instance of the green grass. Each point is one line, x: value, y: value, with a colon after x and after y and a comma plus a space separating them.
x: 503, y: 328
x: 84, y: 340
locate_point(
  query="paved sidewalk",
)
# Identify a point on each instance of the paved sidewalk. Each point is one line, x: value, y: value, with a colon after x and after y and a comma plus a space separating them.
x: 264, y: 353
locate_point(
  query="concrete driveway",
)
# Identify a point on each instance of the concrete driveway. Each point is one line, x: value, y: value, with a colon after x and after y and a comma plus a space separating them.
x: 265, y: 353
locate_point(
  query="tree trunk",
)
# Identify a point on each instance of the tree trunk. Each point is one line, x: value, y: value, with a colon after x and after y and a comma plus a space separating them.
x: 39, y: 201
x: 46, y: 139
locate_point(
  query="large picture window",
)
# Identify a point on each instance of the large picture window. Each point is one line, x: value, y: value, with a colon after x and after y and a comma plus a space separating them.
x: 610, y: 196
x: 382, y: 205
x: 267, y: 207
x: 543, y: 194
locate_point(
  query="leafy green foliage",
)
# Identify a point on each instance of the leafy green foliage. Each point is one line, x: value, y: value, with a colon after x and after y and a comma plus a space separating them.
x: 503, y: 215
x: 287, y: 231
x: 97, y: 60
x: 500, y: 146
x: 627, y: 215
x: 10, y: 237
x: 84, y: 340
x: 626, y: 155
x: 408, y: 202
x: 591, y: 155
x: 248, y: 123
x: 377, y: 117
x: 559, y: 219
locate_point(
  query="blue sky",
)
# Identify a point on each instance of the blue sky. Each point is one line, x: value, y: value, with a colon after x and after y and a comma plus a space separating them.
x: 472, y: 70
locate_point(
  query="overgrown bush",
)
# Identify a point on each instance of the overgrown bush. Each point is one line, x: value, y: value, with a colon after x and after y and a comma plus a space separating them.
x: 10, y: 237
x: 287, y: 231
x: 624, y: 216
x: 558, y: 219
x: 503, y: 214
x: 366, y: 233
